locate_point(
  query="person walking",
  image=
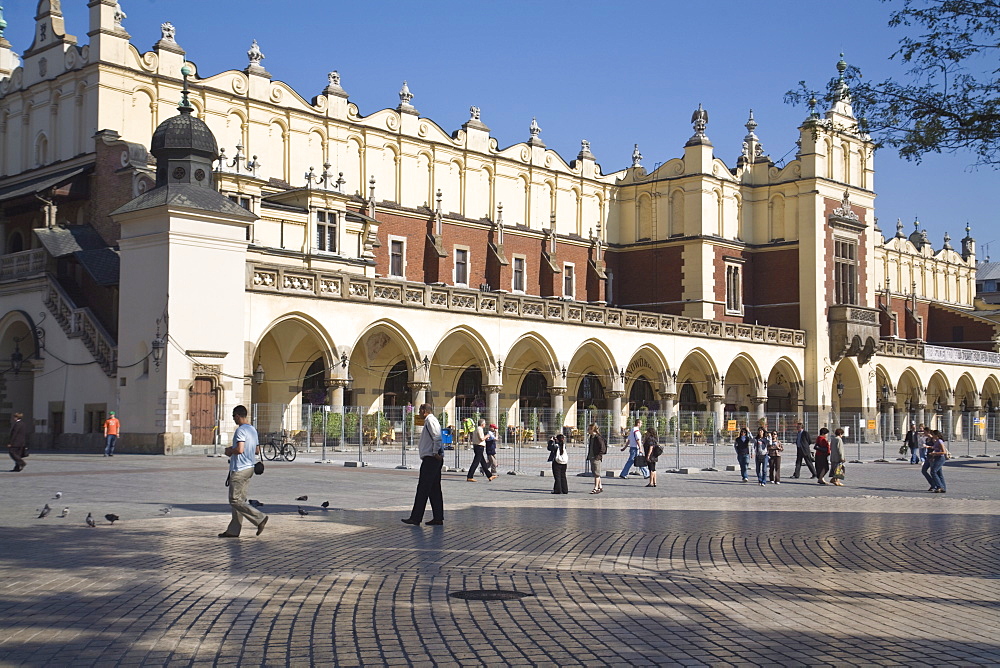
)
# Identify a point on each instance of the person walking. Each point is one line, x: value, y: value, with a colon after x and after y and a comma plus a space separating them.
x: 803, y: 442
x: 822, y: 449
x: 774, y: 450
x: 479, y: 448
x: 912, y: 441
x: 242, y: 455
x: 491, y: 450
x: 837, y: 458
x: 633, y: 442
x: 596, y: 449
x: 431, y: 451
x: 762, y: 444
x: 923, y: 435
x: 17, y: 443
x: 560, y: 462
x: 112, y: 427
x: 937, y: 454
x: 743, y: 444
x: 652, y: 448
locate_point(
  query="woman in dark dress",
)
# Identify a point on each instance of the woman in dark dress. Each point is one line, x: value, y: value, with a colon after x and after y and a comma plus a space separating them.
x: 649, y: 446
x: 822, y: 449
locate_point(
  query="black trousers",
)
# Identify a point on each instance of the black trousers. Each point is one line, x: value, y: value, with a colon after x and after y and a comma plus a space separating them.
x: 480, y: 461
x: 800, y: 457
x: 561, y: 485
x: 822, y: 465
x: 429, y: 487
x: 16, y: 453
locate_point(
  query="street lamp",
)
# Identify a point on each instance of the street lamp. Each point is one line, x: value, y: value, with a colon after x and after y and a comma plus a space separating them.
x: 16, y: 358
x: 840, y: 388
x: 258, y: 374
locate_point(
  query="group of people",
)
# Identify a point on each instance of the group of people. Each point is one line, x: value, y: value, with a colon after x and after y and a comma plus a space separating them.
x: 767, y: 448
x: 928, y: 447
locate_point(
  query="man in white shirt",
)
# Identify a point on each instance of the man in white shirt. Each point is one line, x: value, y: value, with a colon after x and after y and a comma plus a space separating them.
x: 633, y: 444
x: 431, y: 460
x: 242, y: 457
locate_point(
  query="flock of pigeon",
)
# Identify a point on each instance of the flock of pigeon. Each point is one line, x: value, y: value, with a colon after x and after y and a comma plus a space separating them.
x: 44, y: 511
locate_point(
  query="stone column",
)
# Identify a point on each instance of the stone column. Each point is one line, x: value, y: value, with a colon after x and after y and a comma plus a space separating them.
x: 920, y: 417
x: 557, y: 394
x: 337, y: 394
x: 493, y: 403
x: 891, y: 421
x: 419, y: 389
x: 616, y: 415
x: 717, y: 410
x: 758, y: 410
x: 956, y: 423
x: 668, y: 404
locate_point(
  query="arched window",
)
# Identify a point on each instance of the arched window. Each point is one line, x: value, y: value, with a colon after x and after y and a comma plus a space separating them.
x: 15, y: 242
x: 534, y: 391
x: 591, y: 392
x: 396, y: 390
x: 689, y: 398
x: 469, y: 392
x: 314, y: 384
x: 641, y: 395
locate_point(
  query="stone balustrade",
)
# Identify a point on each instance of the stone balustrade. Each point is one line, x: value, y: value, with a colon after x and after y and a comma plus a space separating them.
x: 81, y: 323
x: 352, y: 287
x: 22, y: 265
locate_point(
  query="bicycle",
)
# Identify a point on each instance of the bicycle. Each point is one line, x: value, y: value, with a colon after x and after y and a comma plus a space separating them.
x: 277, y: 448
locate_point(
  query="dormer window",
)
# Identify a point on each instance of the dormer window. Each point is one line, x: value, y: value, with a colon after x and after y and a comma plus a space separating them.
x: 326, y: 231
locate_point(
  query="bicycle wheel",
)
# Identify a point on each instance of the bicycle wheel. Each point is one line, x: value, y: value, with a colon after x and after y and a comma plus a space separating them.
x: 289, y: 452
x: 271, y: 452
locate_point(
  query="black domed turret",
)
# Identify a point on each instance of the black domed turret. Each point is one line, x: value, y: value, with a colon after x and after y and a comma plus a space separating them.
x: 184, y: 146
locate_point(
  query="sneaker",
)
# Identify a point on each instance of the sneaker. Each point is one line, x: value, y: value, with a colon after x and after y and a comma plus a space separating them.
x: 777, y: 482
x: 623, y: 477
x: 746, y: 479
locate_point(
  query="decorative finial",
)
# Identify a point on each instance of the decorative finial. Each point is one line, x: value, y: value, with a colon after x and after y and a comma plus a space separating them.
x: 255, y: 55
x: 899, y: 228
x: 752, y: 148
x: 333, y: 78
x: 916, y: 224
x: 751, y: 124
x: 534, y: 128
x: 439, y: 197
x: 168, y: 32
x: 473, y: 113
x: 185, y: 105
x: 371, y: 189
x: 700, y: 121
x: 636, y: 157
x: 119, y: 15
x: 968, y: 230
x: 405, y: 95
x: 841, y: 65
x: 584, y: 153
x: 947, y: 241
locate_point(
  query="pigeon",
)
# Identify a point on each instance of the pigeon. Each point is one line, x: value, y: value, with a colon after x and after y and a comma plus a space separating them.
x: 302, y: 498
x: 303, y: 512
x: 58, y: 495
x: 111, y: 517
x: 45, y: 511
x: 90, y: 520
x: 65, y: 512
x: 166, y: 510
x: 325, y: 504
x: 255, y: 503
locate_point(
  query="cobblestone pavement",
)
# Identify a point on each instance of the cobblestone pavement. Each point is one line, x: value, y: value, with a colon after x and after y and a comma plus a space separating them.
x: 699, y: 570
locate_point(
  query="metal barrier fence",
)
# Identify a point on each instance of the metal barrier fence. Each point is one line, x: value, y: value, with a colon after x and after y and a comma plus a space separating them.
x: 389, y: 437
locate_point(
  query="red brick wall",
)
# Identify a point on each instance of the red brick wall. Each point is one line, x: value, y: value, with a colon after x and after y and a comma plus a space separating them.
x: 424, y: 264
x: 771, y: 277
x: 110, y: 188
x: 941, y: 325
x: 648, y: 276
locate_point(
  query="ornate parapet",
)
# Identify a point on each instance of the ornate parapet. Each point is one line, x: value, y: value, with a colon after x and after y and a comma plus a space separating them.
x: 907, y: 349
x: 854, y: 332
x: 275, y: 279
x: 964, y: 356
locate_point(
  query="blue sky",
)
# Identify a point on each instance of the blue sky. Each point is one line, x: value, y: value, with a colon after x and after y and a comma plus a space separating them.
x: 616, y: 74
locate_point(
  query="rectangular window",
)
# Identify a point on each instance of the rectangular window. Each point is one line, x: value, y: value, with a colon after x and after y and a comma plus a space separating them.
x: 240, y: 200
x: 517, y: 285
x: 397, y: 251
x: 846, y: 271
x: 569, y: 281
x: 326, y: 231
x: 734, y: 290
x: 461, y: 266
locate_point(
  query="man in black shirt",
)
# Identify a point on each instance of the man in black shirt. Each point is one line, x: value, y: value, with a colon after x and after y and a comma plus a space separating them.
x: 16, y: 444
x: 803, y: 444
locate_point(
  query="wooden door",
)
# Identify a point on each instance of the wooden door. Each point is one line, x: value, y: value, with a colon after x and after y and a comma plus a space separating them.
x: 202, y: 401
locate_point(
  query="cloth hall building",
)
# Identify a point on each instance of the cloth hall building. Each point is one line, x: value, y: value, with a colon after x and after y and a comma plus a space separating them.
x: 258, y: 246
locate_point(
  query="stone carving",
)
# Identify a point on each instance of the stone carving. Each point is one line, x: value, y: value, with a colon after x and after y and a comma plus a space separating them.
x: 405, y: 95
x: 414, y: 296
x: 474, y: 113
x: 264, y: 278
x: 167, y: 32
x: 534, y: 128
x: 255, y: 54
x: 119, y: 15
x: 439, y: 299
x: 636, y: 157
x: 390, y: 293
x: 844, y: 210
x: 375, y: 343
x: 699, y: 119
x: 333, y: 79
x: 359, y: 290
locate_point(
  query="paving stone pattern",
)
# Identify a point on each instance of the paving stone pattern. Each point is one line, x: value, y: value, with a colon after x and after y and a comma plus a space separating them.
x: 698, y: 571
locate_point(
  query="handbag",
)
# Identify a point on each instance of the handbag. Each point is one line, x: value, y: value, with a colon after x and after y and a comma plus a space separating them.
x: 903, y: 449
x: 640, y: 461
x: 658, y: 451
x: 258, y: 468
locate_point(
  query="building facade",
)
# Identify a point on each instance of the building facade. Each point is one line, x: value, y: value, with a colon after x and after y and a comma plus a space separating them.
x: 267, y: 248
